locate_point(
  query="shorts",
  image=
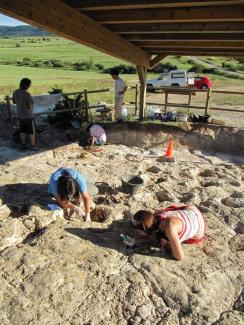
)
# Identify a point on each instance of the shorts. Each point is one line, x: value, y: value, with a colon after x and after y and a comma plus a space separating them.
x: 99, y: 142
x: 27, y: 126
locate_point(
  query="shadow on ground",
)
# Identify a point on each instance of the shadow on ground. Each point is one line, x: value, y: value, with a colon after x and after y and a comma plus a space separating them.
x: 110, y: 238
x: 19, y: 197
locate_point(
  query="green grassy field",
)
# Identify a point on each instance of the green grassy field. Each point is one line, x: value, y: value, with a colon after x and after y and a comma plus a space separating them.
x: 49, y: 48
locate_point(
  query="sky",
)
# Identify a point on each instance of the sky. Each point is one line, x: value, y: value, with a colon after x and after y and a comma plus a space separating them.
x: 7, y: 21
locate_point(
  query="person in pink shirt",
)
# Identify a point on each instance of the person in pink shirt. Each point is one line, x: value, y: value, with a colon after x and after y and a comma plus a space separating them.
x: 173, y: 225
x: 97, y: 134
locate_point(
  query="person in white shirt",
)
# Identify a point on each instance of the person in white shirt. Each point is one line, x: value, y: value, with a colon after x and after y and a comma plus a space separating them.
x: 120, y: 89
x: 97, y: 134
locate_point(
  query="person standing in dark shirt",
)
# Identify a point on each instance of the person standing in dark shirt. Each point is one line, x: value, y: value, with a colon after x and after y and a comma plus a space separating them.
x: 24, y: 104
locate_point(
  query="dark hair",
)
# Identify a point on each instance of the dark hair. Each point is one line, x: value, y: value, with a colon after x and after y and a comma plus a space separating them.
x: 114, y: 72
x: 25, y: 83
x: 89, y: 126
x: 144, y: 218
x: 68, y: 187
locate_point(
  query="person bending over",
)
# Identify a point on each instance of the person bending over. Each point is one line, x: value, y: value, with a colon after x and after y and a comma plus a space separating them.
x: 97, y: 135
x: 68, y: 187
x: 174, y: 225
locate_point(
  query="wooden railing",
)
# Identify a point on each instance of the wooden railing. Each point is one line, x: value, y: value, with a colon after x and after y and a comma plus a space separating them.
x: 192, y: 91
x: 84, y: 92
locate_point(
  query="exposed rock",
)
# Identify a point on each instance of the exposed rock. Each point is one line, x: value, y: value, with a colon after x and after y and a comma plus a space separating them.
x: 73, y: 272
x: 43, y: 221
x: 233, y: 202
x: 154, y: 170
x: 4, y: 212
x: 12, y: 232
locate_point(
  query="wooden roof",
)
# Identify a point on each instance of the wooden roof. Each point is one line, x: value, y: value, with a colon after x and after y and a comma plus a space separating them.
x: 141, y: 32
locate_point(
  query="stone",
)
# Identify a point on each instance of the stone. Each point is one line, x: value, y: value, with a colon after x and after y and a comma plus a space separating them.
x: 144, y: 311
x: 164, y: 196
x: 43, y: 221
x: 154, y: 170
x: 12, y: 232
x: 4, y: 212
x: 233, y: 202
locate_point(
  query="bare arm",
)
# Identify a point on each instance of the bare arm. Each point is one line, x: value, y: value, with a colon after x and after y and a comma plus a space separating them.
x: 87, y: 202
x: 92, y: 141
x: 65, y: 204
x: 171, y: 230
x: 123, y: 91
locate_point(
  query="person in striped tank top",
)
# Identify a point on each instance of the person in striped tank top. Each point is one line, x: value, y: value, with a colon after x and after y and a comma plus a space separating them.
x: 173, y: 225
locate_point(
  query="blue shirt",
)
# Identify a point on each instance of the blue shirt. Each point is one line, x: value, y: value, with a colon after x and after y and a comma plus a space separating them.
x: 53, y: 182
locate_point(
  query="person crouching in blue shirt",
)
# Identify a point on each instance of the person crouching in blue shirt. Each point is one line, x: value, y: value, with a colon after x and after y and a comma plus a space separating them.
x: 68, y: 187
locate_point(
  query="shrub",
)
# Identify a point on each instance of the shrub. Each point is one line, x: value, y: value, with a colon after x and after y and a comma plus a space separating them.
x: 99, y: 66
x: 56, y: 63
x: 26, y: 61
x: 122, y: 68
x: 199, y: 68
x: 164, y: 67
x: 55, y: 90
x: 228, y: 66
x: 17, y: 45
x: 209, y: 70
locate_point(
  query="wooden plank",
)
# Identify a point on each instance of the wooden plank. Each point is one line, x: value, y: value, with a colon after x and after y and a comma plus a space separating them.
x: 210, y: 37
x: 190, y: 44
x: 158, y: 58
x: 196, y: 107
x: 177, y: 15
x: 198, y: 52
x: 90, y: 5
x: 157, y: 28
x: 57, y: 17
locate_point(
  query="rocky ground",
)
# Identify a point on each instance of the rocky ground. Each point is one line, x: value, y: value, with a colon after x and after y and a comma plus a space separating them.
x: 58, y: 271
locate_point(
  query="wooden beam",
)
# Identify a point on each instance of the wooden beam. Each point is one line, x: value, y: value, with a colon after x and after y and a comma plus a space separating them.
x: 190, y: 44
x: 155, y: 61
x: 199, y: 52
x: 176, y: 15
x: 186, y: 37
x: 142, y: 74
x: 157, y: 28
x: 90, y: 5
x: 59, y: 18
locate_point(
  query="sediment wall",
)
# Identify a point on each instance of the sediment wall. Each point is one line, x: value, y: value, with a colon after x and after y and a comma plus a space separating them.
x: 195, y: 136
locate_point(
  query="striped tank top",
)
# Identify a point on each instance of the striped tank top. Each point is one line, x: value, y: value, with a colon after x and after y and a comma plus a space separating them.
x: 193, y: 222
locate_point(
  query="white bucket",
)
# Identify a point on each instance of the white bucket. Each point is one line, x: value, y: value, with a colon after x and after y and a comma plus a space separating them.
x: 153, y: 109
x: 124, y: 112
x: 181, y: 117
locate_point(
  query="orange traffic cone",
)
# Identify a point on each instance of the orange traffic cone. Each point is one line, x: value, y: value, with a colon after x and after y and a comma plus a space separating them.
x: 169, y: 151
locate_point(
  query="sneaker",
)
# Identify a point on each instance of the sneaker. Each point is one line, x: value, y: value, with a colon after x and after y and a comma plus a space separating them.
x: 23, y: 147
x: 34, y: 148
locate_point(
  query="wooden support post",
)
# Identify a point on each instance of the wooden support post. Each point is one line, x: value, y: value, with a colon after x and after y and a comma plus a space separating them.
x: 207, y: 101
x: 9, y: 110
x: 189, y: 99
x: 165, y: 101
x: 86, y: 115
x: 136, y: 99
x: 142, y: 73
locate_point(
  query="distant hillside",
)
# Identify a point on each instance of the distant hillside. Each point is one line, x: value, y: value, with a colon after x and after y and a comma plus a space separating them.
x: 20, y: 31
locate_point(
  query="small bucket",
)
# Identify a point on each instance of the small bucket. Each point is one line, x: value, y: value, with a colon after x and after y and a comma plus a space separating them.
x: 131, y: 183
